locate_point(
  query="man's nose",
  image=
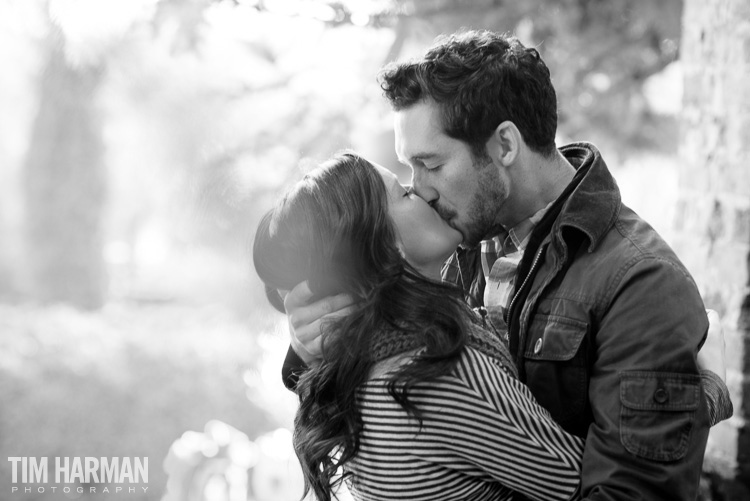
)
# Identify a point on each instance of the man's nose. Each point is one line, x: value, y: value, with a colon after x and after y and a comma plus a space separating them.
x: 423, y: 189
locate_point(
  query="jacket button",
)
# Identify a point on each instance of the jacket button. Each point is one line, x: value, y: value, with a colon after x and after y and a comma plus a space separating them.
x: 661, y: 395
x: 538, y: 346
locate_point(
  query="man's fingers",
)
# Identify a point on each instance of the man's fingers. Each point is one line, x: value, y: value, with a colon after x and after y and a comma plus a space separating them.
x: 309, y: 352
x: 300, y: 316
x: 345, y: 310
x: 310, y: 332
x: 299, y: 296
x: 339, y: 302
x: 307, y: 320
x: 307, y: 340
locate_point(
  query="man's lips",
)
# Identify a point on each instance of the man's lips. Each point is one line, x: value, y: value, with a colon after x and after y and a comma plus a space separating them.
x: 445, y: 214
x: 448, y: 216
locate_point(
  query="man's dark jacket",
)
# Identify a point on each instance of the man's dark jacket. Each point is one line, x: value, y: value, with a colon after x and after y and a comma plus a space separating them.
x: 604, y: 324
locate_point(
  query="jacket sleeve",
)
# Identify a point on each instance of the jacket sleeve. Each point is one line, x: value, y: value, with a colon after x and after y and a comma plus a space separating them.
x: 719, y: 402
x: 650, y: 414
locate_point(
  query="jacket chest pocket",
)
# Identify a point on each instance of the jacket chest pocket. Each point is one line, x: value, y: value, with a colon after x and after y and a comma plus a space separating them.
x: 556, y: 369
x: 657, y: 413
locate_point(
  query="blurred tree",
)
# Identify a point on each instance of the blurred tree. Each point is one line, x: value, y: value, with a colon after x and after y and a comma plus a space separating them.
x: 65, y: 183
x: 273, y: 103
x: 228, y: 116
x: 600, y: 53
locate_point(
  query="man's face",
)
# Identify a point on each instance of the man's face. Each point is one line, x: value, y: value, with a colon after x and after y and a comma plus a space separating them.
x: 468, y: 193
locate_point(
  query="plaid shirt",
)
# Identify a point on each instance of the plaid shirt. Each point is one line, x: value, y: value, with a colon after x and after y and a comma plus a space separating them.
x: 500, y: 263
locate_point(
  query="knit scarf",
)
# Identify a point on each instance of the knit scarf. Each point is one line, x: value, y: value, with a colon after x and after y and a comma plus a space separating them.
x: 387, y: 344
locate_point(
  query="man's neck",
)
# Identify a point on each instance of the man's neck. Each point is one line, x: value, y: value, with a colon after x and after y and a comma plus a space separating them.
x: 537, y: 184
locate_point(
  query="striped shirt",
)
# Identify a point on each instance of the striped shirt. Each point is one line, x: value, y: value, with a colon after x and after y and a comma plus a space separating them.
x: 483, y: 437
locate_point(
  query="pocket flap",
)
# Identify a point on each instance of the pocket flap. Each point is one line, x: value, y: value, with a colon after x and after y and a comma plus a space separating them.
x: 554, y: 338
x: 668, y: 391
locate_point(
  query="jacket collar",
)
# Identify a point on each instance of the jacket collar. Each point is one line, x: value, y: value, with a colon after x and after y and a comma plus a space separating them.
x: 594, y: 202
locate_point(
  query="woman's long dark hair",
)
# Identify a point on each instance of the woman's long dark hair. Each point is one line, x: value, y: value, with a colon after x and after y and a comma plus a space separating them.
x: 333, y: 230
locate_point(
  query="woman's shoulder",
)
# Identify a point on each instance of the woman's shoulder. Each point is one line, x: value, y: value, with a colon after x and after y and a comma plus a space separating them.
x: 392, y: 351
x: 383, y: 367
x: 490, y: 345
x: 476, y: 381
x: 480, y: 367
x: 475, y: 359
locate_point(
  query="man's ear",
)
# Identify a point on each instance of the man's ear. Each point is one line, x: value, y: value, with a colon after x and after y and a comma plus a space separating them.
x: 505, y: 144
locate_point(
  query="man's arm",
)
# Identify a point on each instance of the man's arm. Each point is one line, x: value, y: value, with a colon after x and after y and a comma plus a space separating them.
x: 650, y: 414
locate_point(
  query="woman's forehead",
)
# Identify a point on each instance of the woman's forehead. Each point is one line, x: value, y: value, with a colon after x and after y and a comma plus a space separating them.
x: 388, y: 176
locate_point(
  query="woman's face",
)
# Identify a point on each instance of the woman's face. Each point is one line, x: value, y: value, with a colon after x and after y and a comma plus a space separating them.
x: 425, y: 238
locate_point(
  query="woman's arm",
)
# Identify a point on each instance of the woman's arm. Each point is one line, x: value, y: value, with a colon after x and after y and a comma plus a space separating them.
x: 479, y: 423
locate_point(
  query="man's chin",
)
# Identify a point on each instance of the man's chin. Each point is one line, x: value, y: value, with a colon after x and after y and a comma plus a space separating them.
x: 470, y: 242
x: 462, y: 243
x: 468, y: 245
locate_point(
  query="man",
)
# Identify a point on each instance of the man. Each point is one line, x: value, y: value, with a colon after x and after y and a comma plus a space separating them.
x: 603, y: 320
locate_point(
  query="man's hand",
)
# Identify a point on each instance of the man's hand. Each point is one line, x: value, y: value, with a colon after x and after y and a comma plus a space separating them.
x: 307, y: 320
x: 711, y: 354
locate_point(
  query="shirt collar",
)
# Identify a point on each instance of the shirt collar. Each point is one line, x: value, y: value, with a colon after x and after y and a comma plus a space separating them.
x: 517, y: 237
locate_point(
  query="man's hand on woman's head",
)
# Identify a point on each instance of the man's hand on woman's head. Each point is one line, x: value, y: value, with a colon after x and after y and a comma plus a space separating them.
x: 307, y: 319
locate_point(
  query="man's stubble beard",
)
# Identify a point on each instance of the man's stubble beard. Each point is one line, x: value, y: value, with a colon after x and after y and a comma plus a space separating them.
x: 485, y: 206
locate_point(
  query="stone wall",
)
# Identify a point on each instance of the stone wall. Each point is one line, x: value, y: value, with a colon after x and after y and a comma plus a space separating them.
x: 712, y: 225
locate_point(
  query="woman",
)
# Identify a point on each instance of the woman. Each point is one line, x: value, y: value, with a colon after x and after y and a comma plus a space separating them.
x: 413, y: 399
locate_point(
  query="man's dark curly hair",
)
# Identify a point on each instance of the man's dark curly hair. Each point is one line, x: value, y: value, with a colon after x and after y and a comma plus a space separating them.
x: 479, y: 79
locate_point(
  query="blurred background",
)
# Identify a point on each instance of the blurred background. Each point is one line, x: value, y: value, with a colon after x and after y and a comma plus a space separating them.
x: 141, y: 140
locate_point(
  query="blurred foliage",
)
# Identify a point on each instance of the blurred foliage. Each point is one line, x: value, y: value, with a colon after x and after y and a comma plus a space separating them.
x: 64, y: 183
x: 208, y: 107
x: 600, y: 53
x: 309, y: 86
x: 127, y: 381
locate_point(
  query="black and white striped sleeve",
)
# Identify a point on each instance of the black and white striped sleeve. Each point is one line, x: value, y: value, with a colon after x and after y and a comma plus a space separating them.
x: 479, y: 425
